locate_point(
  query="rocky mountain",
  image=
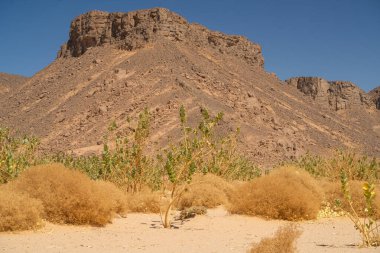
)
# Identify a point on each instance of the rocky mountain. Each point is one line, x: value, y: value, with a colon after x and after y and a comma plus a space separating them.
x: 8, y: 82
x: 116, y: 64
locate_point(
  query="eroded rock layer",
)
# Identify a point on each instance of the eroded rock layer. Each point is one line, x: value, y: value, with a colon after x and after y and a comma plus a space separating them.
x: 338, y: 95
x: 134, y: 30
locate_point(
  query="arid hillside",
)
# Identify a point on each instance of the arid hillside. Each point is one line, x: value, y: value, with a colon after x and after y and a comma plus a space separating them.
x: 116, y: 64
x: 8, y: 82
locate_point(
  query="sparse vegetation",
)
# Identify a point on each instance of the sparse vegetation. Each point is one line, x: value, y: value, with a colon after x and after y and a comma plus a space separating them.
x: 356, y: 167
x: 195, y: 172
x: 122, y: 161
x: 184, y: 159
x: 16, y: 154
x: 336, y: 199
x: 355, y: 196
x: 286, y: 193
x: 283, y: 241
x: 367, y: 226
x: 199, y: 151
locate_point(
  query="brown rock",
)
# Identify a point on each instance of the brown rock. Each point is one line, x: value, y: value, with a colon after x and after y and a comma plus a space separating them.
x: 339, y: 95
x: 136, y: 29
x: 375, y: 96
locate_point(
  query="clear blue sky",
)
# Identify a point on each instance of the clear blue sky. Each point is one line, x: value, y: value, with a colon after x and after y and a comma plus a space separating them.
x: 334, y: 39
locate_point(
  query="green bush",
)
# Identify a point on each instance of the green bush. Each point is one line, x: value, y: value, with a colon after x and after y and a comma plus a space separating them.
x: 16, y: 154
x: 356, y: 167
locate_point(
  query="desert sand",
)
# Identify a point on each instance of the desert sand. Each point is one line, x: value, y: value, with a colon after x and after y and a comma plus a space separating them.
x: 217, y: 231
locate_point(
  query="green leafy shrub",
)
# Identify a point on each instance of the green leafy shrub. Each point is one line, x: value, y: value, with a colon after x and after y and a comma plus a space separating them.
x: 367, y: 226
x: 16, y: 154
x: 199, y: 151
x: 335, y: 197
x: 356, y: 167
x: 122, y: 161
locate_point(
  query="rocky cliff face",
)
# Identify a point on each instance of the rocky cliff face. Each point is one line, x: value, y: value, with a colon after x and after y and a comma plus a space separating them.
x: 137, y: 29
x: 338, y: 95
x: 375, y: 96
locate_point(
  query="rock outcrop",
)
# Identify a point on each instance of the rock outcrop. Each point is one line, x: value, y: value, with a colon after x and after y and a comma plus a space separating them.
x: 315, y: 87
x: 338, y: 95
x: 134, y: 30
x: 375, y: 96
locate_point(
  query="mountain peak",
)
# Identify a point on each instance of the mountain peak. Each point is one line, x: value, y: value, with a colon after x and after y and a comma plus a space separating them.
x: 134, y: 30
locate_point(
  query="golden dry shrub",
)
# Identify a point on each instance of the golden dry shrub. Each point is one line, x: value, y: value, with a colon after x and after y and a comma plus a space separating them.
x: 205, y: 190
x: 334, y: 196
x: 18, y: 211
x: 68, y: 196
x: 282, y: 242
x: 115, y: 195
x: 286, y: 193
x: 145, y: 201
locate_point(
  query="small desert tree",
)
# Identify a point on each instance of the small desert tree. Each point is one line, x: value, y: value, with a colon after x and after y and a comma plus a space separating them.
x: 200, y: 151
x: 184, y: 159
x: 126, y: 164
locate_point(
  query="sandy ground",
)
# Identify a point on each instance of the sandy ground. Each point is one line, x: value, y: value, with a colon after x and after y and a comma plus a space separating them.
x: 215, y: 232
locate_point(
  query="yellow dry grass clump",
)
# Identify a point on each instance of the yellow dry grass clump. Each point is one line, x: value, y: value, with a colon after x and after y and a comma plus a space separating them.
x: 114, y: 195
x: 144, y: 201
x: 69, y: 196
x: 206, y: 190
x: 286, y: 193
x: 282, y: 242
x: 333, y: 194
x: 18, y: 211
